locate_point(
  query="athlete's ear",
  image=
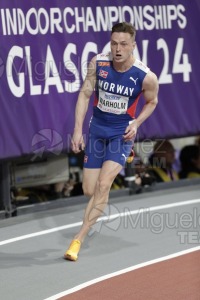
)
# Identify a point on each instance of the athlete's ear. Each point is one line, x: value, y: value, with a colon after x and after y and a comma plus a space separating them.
x: 134, y: 44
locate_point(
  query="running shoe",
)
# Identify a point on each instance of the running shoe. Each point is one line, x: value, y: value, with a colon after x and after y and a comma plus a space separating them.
x: 73, y: 250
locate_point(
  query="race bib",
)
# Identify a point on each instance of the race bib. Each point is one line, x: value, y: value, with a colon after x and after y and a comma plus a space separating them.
x: 112, y: 103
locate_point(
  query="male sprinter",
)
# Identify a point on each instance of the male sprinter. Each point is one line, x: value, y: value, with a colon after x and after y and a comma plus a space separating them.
x: 118, y: 79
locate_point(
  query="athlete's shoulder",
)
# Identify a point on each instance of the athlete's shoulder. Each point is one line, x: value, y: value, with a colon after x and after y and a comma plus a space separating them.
x: 104, y: 56
x: 151, y: 82
x: 140, y: 65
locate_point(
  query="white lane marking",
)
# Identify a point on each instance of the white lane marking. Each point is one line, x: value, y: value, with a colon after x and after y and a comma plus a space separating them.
x: 123, y: 271
x: 110, y: 217
x: 27, y: 236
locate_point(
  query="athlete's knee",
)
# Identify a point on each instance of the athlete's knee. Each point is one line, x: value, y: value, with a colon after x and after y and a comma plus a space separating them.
x: 103, y: 186
x: 87, y: 190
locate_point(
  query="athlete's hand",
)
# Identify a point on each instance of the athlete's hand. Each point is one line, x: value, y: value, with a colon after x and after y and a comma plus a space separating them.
x: 130, y: 131
x: 77, y: 142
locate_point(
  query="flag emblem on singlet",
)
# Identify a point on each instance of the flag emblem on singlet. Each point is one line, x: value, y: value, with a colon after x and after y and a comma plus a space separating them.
x: 103, y: 73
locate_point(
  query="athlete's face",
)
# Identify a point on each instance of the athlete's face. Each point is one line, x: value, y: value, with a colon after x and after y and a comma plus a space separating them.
x: 122, y: 46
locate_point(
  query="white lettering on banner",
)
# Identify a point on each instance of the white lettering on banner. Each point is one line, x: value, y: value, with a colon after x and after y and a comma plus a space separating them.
x: 85, y: 55
x: 112, y: 103
x: 34, y: 89
x: 15, y: 21
x: 55, y: 20
x: 22, y: 69
x: 180, y: 62
x: 73, y: 86
x: 18, y: 91
x: 52, y: 75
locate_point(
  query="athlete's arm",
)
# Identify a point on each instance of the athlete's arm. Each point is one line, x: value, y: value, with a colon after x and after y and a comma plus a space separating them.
x: 150, y: 92
x: 82, y: 106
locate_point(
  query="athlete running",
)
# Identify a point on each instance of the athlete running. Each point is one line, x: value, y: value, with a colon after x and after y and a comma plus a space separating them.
x: 118, y: 79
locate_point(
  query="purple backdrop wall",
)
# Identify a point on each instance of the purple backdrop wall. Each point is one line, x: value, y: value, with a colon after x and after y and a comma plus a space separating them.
x: 44, y: 50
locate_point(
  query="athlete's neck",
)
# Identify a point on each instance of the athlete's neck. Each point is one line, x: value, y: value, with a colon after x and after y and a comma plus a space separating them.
x: 123, y: 66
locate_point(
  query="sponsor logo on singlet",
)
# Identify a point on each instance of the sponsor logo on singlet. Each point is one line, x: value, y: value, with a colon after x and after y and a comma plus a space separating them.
x: 103, y: 63
x: 134, y: 80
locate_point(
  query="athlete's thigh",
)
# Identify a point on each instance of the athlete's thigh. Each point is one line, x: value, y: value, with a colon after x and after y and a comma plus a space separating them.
x: 90, y: 177
x: 109, y: 171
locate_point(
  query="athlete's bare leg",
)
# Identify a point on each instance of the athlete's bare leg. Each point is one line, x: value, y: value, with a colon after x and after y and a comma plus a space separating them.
x: 104, y: 179
x: 99, y: 183
x: 90, y: 177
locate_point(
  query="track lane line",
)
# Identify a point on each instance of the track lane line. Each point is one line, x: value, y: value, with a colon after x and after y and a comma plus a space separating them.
x: 110, y: 217
x: 123, y: 271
